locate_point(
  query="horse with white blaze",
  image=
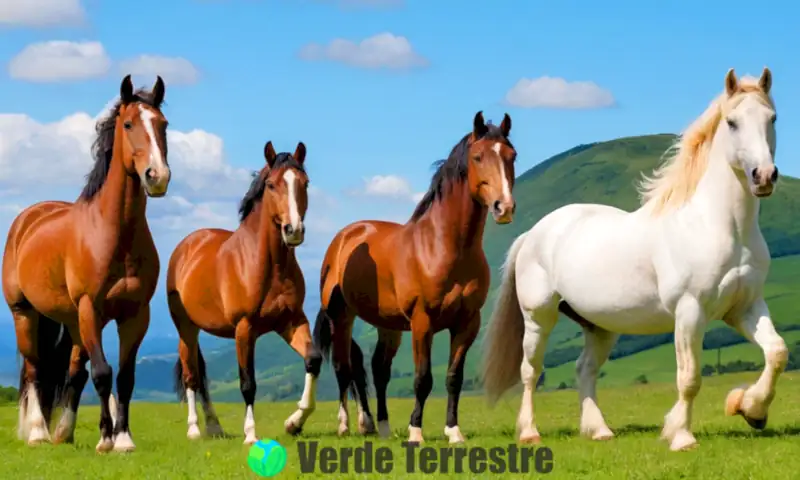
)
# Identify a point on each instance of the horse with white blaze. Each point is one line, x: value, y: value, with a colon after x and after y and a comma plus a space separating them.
x: 692, y: 253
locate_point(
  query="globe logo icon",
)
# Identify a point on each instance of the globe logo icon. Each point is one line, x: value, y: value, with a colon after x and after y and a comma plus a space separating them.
x: 266, y: 458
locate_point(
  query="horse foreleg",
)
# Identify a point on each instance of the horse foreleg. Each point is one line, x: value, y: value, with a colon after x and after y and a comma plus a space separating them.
x: 461, y: 339
x: 91, y: 331
x: 538, y: 325
x: 78, y: 376
x: 597, y: 347
x: 131, y: 330
x: 689, y: 329
x: 422, y: 339
x: 385, y: 351
x: 245, y: 355
x: 298, y: 336
x: 753, y: 403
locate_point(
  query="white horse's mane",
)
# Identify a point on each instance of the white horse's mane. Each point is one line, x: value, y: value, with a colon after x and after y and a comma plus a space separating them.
x: 675, y: 181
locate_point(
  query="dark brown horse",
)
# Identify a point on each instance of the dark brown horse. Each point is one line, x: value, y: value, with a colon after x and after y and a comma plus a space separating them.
x: 243, y: 284
x: 69, y: 268
x: 425, y: 276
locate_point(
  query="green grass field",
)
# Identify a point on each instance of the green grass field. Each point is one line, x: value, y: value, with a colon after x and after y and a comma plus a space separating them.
x: 728, y: 448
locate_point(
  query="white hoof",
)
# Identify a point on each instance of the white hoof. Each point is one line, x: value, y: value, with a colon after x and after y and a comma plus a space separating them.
x: 384, y: 430
x: 415, y: 435
x: 366, y: 426
x: 454, y: 435
x: 38, y: 435
x: 124, y: 443
x: 105, y: 445
x: 682, y: 441
x: 602, y: 434
x: 250, y: 439
x: 193, y: 433
x: 344, y: 430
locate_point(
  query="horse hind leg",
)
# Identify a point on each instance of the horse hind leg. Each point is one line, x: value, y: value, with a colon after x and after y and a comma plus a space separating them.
x: 35, y: 340
x: 76, y: 381
x: 597, y: 347
x: 385, y: 351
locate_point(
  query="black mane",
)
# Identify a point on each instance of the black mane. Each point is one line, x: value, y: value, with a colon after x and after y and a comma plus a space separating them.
x: 103, y: 146
x: 256, y: 190
x: 452, y: 170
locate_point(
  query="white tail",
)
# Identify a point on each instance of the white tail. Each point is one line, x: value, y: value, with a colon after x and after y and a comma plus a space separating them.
x: 502, y: 345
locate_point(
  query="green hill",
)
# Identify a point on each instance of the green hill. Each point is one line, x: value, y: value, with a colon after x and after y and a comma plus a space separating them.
x: 597, y: 173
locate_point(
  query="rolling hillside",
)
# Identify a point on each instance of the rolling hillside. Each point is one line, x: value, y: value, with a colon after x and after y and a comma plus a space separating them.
x: 600, y: 173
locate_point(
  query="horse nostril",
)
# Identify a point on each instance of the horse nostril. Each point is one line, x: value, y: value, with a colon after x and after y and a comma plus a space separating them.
x: 754, y: 174
x: 149, y: 174
x: 774, y: 176
x: 496, y: 205
x: 287, y: 229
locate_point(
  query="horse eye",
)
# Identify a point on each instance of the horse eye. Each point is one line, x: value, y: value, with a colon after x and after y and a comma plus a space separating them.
x: 732, y: 124
x: 271, y: 185
x: 127, y: 125
x: 774, y: 119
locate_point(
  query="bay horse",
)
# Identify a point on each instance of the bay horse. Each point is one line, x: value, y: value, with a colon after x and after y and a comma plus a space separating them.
x: 69, y: 268
x: 693, y: 252
x: 243, y: 284
x: 427, y: 275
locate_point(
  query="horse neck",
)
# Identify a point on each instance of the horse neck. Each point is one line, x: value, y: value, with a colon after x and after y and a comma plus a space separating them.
x: 457, y: 220
x: 724, y: 196
x: 271, y: 254
x: 121, y: 199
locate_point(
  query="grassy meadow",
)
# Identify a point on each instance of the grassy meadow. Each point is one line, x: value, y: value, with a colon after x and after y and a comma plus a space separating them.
x: 728, y: 448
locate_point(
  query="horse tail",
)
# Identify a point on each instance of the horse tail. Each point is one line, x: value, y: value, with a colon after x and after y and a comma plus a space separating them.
x: 502, y: 352
x: 202, y: 378
x: 323, y: 334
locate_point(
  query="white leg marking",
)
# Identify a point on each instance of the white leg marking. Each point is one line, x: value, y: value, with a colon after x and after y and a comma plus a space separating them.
x: 454, y: 435
x: 37, y: 427
x: 23, y: 429
x: 106, y: 444
x: 344, y: 418
x: 66, y: 426
x: 305, y: 407
x: 194, y: 430
x: 415, y: 434
x: 250, y: 427
x: 124, y: 443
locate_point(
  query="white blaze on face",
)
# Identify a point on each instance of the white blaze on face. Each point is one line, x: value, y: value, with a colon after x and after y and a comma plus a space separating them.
x: 156, y: 155
x: 506, y: 188
x: 294, y: 213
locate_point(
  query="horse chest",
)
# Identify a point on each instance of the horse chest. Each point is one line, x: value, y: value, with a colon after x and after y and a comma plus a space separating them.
x: 737, y: 285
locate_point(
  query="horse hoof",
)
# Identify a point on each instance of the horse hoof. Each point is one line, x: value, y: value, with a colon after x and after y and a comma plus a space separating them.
x: 683, y: 442
x: 343, y: 431
x: 123, y: 443
x: 384, y: 430
x: 454, y: 436
x: 293, y: 429
x: 530, y: 439
x: 105, y: 445
x: 415, y: 435
x: 250, y: 440
x: 38, y: 436
x: 734, y: 401
x: 756, y: 423
x: 193, y: 433
x: 603, y: 435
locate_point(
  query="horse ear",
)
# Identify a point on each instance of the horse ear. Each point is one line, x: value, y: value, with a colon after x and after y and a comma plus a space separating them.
x: 479, y: 127
x: 765, y: 82
x: 731, y: 83
x: 126, y: 90
x: 505, y: 126
x: 269, y: 154
x: 158, y: 92
x: 300, y: 153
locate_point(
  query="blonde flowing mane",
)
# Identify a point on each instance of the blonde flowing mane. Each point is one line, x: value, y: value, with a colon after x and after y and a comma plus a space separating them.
x: 675, y: 181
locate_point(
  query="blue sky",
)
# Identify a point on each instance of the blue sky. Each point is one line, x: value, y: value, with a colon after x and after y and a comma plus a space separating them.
x: 248, y: 75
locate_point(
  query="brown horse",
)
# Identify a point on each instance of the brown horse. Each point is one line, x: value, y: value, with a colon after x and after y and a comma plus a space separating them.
x: 82, y: 264
x: 243, y: 284
x: 425, y: 276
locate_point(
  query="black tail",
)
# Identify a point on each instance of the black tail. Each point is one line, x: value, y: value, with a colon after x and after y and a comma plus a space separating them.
x: 202, y: 386
x: 323, y: 341
x: 54, y: 347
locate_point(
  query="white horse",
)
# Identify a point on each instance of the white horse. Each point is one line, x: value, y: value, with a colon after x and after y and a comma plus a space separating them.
x: 693, y: 252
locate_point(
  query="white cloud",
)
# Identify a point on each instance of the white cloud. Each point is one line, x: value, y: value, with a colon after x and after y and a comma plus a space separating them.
x: 384, y: 50
x: 41, y: 13
x: 388, y: 186
x: 59, y: 60
x: 554, y: 92
x: 174, y: 70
